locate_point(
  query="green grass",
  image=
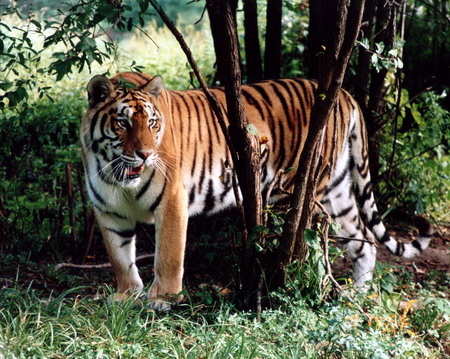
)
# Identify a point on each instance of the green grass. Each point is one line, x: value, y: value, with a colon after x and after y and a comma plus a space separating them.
x: 77, y: 325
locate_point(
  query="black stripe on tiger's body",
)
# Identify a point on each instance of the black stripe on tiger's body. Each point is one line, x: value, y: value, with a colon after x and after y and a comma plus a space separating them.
x: 153, y: 155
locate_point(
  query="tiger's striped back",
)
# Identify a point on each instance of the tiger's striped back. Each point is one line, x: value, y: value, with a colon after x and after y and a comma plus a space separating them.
x: 280, y: 110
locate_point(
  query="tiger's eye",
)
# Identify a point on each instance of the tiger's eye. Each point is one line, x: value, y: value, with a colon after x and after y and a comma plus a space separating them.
x: 123, y: 124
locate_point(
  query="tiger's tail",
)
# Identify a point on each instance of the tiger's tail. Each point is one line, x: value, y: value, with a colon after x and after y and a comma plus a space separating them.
x: 362, y: 188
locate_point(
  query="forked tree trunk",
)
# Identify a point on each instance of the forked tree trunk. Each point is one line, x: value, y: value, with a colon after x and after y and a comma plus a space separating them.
x: 331, y: 70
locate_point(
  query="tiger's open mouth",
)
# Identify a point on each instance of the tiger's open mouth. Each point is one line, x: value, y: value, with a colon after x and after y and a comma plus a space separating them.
x: 135, y: 172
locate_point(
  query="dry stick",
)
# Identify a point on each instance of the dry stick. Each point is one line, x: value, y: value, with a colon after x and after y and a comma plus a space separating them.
x: 90, y: 236
x: 71, y: 203
x: 209, y: 96
x: 332, y: 236
x: 59, y: 217
x: 328, y: 265
x: 329, y: 275
x: 98, y: 266
x: 83, y: 199
x: 438, y: 227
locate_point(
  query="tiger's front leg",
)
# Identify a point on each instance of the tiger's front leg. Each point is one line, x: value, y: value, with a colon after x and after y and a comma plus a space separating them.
x: 119, y: 237
x: 171, y: 219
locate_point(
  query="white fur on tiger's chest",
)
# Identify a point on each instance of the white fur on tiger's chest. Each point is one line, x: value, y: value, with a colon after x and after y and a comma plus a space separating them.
x: 128, y: 202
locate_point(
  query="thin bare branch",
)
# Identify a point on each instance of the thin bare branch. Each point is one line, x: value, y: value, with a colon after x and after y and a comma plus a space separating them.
x: 97, y: 266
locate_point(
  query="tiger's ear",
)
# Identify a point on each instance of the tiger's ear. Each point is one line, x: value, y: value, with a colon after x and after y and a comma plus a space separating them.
x: 154, y: 86
x: 99, y: 88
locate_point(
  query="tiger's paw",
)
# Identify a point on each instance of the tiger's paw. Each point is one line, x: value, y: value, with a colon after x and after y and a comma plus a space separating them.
x: 124, y: 296
x: 160, y: 305
x: 162, y: 298
x: 118, y: 298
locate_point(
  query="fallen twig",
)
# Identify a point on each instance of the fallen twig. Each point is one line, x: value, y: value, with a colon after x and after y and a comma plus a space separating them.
x: 98, y: 266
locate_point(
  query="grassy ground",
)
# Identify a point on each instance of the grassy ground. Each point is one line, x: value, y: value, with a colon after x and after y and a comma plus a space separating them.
x: 409, y: 320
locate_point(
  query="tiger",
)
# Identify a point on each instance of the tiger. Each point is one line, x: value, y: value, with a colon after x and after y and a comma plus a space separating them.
x: 153, y: 155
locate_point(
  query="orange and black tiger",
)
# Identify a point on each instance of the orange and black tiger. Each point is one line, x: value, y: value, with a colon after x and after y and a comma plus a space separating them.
x: 157, y: 156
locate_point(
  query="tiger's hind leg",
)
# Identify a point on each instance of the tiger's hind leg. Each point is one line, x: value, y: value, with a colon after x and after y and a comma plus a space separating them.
x: 340, y: 203
x: 357, y: 241
x: 363, y: 255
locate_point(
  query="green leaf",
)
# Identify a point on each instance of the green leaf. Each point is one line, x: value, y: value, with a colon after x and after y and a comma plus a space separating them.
x: 393, y: 52
x: 143, y: 5
x: 335, y: 228
x: 7, y: 27
x: 374, y: 59
x: 130, y: 24
x: 312, y: 239
x: 37, y: 24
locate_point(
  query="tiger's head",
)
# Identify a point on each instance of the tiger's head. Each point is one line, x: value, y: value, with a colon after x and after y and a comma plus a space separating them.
x: 123, y: 129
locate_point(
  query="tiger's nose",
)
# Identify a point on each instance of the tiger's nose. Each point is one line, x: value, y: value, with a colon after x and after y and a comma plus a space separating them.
x: 143, y: 154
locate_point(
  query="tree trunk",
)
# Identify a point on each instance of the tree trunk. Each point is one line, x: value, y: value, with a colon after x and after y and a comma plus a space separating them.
x: 245, y: 144
x: 252, y: 47
x: 218, y: 33
x: 330, y: 80
x: 272, y: 53
x: 322, y: 20
x: 364, y: 64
